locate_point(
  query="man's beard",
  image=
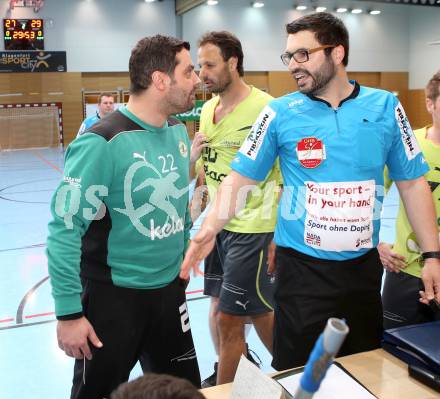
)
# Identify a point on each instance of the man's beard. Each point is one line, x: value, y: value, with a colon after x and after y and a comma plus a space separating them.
x: 178, y: 103
x: 222, y: 84
x: 320, y: 78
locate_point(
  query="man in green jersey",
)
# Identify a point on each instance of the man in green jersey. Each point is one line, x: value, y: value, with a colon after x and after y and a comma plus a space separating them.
x: 121, y: 227
x: 404, y: 261
x: 236, y: 276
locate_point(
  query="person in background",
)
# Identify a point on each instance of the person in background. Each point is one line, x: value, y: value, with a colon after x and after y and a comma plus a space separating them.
x: 404, y: 261
x: 106, y: 105
x: 236, y: 274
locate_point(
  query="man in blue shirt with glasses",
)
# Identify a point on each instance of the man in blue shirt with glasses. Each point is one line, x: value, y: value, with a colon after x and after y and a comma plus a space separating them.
x: 333, y: 139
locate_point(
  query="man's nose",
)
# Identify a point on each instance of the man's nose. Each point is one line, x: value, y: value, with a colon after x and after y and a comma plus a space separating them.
x: 202, y: 74
x: 197, y: 80
x: 293, y: 64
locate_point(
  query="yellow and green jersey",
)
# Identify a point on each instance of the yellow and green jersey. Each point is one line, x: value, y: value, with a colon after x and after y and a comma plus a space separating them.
x: 406, y: 243
x: 224, y: 140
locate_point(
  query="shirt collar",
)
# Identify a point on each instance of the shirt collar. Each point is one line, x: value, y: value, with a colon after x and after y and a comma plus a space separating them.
x: 353, y: 94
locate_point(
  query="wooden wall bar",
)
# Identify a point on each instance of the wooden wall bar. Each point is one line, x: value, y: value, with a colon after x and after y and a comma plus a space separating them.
x: 67, y: 88
x: 105, y: 81
x: 417, y: 113
x: 47, y: 87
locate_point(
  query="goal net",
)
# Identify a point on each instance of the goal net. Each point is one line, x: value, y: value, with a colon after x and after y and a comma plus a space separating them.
x: 30, y: 126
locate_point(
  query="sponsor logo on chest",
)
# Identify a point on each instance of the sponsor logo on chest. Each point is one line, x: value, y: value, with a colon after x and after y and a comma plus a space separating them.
x: 310, y: 152
x: 170, y: 228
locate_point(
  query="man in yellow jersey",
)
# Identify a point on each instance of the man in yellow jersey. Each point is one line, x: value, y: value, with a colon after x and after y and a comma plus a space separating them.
x: 236, y: 275
x: 401, y: 290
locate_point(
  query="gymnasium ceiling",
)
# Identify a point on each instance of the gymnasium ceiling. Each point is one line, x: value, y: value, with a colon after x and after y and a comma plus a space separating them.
x: 183, y: 6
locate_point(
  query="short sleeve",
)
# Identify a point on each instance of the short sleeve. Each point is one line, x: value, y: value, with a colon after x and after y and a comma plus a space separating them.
x: 404, y: 160
x: 259, y: 151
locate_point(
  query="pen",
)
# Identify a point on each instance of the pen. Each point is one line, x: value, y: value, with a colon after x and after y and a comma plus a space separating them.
x: 323, y: 353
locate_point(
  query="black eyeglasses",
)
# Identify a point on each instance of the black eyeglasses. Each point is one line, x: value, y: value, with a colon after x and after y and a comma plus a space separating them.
x: 302, y: 55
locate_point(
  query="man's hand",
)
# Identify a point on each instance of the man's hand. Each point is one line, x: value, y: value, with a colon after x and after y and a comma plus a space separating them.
x: 271, y: 258
x: 73, y: 336
x: 391, y: 261
x: 431, y: 281
x: 200, y: 247
x: 198, y: 144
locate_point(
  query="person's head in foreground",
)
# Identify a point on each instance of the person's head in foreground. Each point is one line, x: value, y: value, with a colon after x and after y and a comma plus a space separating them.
x: 157, y: 386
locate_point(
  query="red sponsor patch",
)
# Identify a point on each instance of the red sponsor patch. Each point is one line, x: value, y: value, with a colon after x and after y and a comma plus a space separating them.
x: 310, y: 152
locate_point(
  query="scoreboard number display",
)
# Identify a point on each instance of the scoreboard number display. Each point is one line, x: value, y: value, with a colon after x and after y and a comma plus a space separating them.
x: 23, y: 34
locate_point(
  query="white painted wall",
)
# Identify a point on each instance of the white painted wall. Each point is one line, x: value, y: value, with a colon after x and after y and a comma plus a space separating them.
x: 98, y: 35
x: 378, y: 43
x: 393, y: 41
x: 424, y: 60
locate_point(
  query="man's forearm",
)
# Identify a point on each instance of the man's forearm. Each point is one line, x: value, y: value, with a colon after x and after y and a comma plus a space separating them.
x: 230, y: 199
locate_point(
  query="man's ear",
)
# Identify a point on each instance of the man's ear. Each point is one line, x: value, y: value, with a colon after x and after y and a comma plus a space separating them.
x: 160, y: 80
x: 429, y: 105
x: 232, y: 63
x: 338, y: 54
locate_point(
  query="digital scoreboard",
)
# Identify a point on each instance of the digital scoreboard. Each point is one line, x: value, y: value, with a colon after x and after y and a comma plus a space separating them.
x: 23, y: 34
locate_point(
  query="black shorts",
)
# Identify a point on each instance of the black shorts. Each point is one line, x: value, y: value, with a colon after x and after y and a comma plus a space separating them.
x: 236, y: 273
x: 309, y: 291
x: 135, y: 324
x: 401, y: 305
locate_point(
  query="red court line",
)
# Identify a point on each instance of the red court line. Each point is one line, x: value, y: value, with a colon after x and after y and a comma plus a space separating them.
x: 6, y: 320
x: 193, y: 292
x: 47, y: 162
x: 39, y: 315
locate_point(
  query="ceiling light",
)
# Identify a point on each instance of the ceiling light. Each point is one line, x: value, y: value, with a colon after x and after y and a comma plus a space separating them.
x: 149, y: 1
x: 375, y: 12
x: 356, y: 11
x: 301, y: 8
x: 320, y: 9
x: 257, y: 4
x: 212, y: 2
x: 341, y: 10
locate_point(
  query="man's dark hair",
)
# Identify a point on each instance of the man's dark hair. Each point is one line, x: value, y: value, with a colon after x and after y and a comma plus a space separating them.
x: 106, y: 94
x: 433, y: 87
x: 228, y: 44
x: 157, y: 386
x: 154, y: 53
x: 327, y: 29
